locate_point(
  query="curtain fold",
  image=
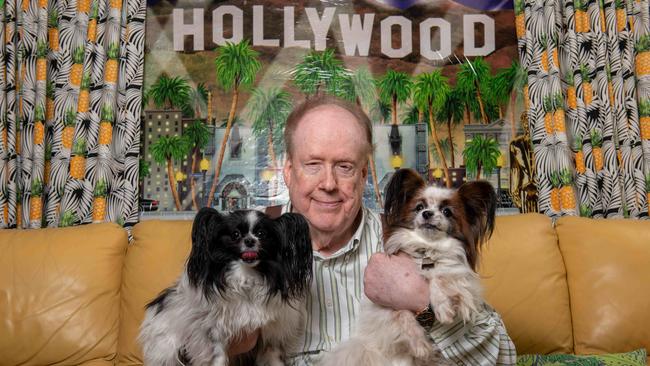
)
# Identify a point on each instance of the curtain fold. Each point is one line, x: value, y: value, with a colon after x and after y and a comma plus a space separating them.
x: 71, y: 76
x: 588, y: 64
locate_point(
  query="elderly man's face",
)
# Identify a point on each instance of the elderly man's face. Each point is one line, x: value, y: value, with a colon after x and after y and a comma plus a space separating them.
x: 327, y: 171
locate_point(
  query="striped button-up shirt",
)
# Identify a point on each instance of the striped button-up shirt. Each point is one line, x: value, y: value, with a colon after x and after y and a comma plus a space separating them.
x: 334, y: 303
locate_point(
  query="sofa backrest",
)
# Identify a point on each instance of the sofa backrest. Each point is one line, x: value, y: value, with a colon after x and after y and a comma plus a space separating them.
x: 154, y: 261
x: 60, y: 294
x: 525, y: 281
x: 608, y: 272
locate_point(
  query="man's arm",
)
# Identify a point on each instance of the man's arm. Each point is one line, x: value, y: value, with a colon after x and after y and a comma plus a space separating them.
x: 395, y: 282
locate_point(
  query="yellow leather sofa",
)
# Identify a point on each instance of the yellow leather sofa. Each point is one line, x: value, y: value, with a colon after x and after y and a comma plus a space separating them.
x: 76, y: 295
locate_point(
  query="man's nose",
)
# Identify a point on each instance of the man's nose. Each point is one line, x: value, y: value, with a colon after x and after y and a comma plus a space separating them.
x: 328, y: 182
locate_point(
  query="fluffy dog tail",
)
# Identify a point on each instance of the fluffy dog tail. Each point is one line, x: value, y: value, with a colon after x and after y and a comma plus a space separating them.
x: 354, y: 352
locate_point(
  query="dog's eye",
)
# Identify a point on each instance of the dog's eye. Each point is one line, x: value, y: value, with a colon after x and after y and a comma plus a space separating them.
x: 236, y: 235
x: 260, y: 234
x: 447, y: 212
x: 419, y: 207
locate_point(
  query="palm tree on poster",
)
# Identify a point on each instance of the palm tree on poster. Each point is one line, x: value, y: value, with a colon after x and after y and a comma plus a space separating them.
x: 237, y: 66
x: 380, y: 111
x: 269, y: 110
x: 365, y: 93
x: 197, y: 136
x: 446, y: 146
x: 430, y: 91
x: 394, y: 88
x: 319, y: 72
x: 165, y: 150
x: 473, y: 80
x: 365, y: 88
x: 506, y: 85
x: 198, y: 101
x: 451, y: 111
x: 481, y: 153
x: 169, y: 93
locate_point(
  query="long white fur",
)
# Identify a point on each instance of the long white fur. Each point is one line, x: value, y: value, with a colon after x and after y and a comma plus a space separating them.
x: 211, y: 325
x: 385, y: 337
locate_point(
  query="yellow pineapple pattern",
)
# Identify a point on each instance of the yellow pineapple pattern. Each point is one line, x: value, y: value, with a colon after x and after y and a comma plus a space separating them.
x: 580, y: 17
x: 48, y: 164
x: 644, y: 119
x: 84, y: 94
x: 558, y: 116
x: 596, y: 149
x: 572, y: 100
x: 41, y: 61
x: 92, y: 23
x: 36, y: 204
x: 49, y: 101
x: 68, y: 130
x: 555, y: 192
x: 621, y: 15
x: 579, y: 155
x: 106, y: 125
x: 567, y: 195
x: 77, y: 66
x: 110, y: 72
x: 39, y: 127
x: 99, y: 202
x: 53, y: 30
x: 548, y: 115
x: 78, y: 160
x: 642, y: 60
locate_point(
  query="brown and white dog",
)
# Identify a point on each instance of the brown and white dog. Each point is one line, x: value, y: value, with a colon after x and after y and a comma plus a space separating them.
x: 443, y: 230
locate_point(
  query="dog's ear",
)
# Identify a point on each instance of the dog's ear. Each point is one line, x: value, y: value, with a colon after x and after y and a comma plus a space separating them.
x: 402, y: 188
x: 296, y: 253
x: 204, y: 231
x: 480, y: 202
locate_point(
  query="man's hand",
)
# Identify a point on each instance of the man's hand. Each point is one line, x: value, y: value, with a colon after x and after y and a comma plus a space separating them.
x: 243, y: 344
x: 395, y: 282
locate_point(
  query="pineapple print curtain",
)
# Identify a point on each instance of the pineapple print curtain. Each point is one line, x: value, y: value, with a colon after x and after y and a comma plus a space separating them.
x: 70, y: 100
x: 588, y: 102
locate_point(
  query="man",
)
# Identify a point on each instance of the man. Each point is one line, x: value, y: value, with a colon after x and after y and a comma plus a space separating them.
x: 328, y: 142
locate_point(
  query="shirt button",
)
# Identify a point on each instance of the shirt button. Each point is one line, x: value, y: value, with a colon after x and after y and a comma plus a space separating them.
x: 328, y: 303
x: 326, y: 264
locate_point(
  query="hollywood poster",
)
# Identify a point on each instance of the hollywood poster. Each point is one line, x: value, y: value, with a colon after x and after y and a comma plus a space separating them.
x: 306, y: 47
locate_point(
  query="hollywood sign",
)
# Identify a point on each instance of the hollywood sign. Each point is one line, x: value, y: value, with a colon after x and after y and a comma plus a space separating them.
x: 355, y: 31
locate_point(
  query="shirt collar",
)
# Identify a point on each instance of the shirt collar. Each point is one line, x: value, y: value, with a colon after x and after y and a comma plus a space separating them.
x: 351, y: 245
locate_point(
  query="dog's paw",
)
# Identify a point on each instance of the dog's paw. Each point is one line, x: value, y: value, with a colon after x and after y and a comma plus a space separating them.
x: 466, y: 307
x: 420, y: 348
x: 444, y: 311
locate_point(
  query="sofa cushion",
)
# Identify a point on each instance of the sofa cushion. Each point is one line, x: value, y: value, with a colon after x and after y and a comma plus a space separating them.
x: 153, y: 262
x: 633, y: 358
x: 525, y: 281
x: 60, y: 294
x: 608, y: 270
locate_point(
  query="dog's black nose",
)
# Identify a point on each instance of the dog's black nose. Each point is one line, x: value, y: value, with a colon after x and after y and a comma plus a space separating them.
x: 427, y: 214
x: 249, y: 242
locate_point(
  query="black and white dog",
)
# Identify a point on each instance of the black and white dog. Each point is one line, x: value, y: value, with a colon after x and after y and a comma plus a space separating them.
x: 245, y: 272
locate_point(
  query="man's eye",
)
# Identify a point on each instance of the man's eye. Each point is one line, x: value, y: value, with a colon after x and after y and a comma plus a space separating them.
x: 312, y: 167
x: 346, y: 169
x: 419, y: 207
x: 236, y: 235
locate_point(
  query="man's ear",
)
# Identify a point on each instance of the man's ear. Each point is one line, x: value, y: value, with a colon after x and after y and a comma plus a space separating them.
x: 364, y: 169
x: 286, y: 171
